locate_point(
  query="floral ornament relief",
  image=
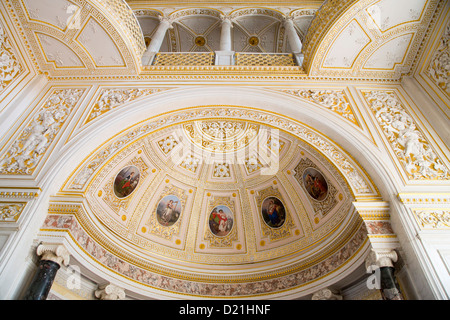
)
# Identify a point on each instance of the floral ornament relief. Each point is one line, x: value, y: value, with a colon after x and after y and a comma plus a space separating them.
x: 113, y: 98
x: 24, y: 154
x: 334, y: 100
x: 410, y: 146
x: 9, y: 66
x: 439, y: 68
x: 10, y: 212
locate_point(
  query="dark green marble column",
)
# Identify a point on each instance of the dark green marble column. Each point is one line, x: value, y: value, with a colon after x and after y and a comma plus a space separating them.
x: 52, y: 257
x: 42, y: 280
x: 380, y: 262
x: 389, y: 286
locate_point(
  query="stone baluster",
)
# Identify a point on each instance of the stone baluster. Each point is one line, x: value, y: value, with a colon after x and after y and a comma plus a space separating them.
x: 381, y: 262
x: 157, y: 39
x: 294, y: 40
x: 52, y: 257
x: 326, y: 294
x: 110, y: 292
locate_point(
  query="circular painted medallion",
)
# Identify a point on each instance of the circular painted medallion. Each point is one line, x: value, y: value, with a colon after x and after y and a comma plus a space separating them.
x: 221, y: 221
x: 126, y: 181
x: 168, y: 210
x: 273, y: 212
x: 315, y: 184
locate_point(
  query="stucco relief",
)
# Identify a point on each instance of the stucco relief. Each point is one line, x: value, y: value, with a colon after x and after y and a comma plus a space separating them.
x: 410, y: 146
x: 10, y: 67
x: 10, y: 211
x: 24, y: 154
x: 439, y: 68
x: 360, y: 185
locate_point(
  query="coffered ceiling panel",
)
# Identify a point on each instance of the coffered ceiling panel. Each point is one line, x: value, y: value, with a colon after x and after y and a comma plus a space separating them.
x: 99, y: 45
x: 58, y: 52
x: 89, y: 37
x: 368, y: 39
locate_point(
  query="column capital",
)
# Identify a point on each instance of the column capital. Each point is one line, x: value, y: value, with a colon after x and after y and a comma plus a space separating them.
x: 53, y: 252
x: 288, y: 20
x: 110, y: 292
x: 226, y: 19
x: 381, y: 258
x: 166, y: 20
x: 326, y: 294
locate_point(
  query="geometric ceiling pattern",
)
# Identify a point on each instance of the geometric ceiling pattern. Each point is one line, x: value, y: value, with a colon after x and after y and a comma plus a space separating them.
x: 368, y: 39
x: 77, y: 37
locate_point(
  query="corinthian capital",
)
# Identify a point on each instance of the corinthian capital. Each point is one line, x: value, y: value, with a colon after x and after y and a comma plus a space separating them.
x: 54, y: 252
x: 226, y: 19
x: 167, y: 20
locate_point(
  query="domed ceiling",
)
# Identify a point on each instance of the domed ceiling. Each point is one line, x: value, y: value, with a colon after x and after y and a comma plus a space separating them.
x: 220, y: 192
x: 197, y: 204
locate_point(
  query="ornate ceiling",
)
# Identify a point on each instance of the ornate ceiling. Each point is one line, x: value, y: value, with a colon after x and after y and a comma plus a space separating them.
x: 368, y: 39
x: 220, y: 200
x: 375, y: 39
x: 225, y: 198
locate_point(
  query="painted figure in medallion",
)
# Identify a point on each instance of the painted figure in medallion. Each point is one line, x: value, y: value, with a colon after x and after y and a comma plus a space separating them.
x: 221, y: 221
x: 273, y: 212
x: 168, y: 210
x: 126, y: 181
x: 315, y: 184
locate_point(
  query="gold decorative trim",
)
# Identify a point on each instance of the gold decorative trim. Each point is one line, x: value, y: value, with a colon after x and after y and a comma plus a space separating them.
x: 435, y: 219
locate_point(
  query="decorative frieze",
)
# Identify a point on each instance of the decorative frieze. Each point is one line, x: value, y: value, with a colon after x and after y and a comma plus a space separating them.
x: 10, y: 211
x: 433, y: 218
x: 411, y: 147
x: 113, y: 98
x: 25, y: 153
x: 334, y: 100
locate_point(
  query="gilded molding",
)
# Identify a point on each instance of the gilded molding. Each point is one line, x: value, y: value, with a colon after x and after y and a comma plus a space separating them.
x: 424, y: 198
